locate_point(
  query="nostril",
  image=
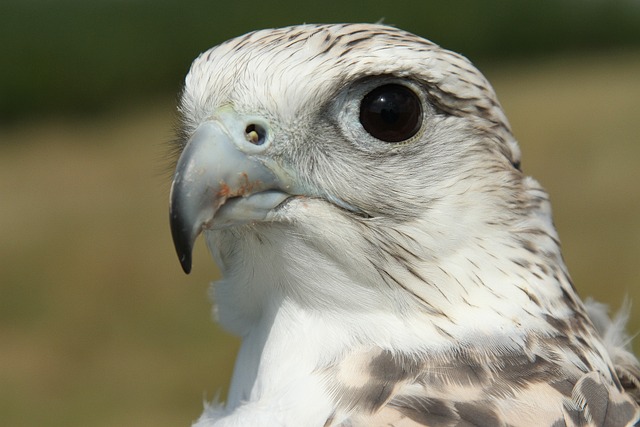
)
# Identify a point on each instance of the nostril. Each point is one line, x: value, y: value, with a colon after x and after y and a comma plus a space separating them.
x: 255, y: 134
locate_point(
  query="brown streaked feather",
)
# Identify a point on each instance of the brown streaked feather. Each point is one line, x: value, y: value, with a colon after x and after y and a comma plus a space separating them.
x: 473, y: 387
x: 629, y: 376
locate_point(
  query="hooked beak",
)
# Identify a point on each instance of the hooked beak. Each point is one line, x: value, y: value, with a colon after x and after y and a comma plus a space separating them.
x: 222, y: 180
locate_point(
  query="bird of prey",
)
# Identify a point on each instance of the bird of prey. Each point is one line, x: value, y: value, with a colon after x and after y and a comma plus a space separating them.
x: 384, y: 258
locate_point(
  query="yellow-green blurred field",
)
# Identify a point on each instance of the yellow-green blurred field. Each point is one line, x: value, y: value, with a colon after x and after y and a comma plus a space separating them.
x: 98, y: 325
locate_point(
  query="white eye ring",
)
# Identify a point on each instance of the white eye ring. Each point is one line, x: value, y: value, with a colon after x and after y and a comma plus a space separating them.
x: 347, y: 113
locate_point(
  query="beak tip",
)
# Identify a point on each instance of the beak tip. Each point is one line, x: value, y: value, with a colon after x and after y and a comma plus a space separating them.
x: 185, y: 262
x: 183, y: 239
x: 184, y: 250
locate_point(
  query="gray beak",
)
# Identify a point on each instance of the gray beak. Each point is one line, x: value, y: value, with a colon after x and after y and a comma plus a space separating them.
x: 222, y: 180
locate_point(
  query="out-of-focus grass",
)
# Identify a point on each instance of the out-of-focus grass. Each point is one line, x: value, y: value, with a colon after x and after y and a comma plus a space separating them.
x: 98, y: 326
x: 76, y: 55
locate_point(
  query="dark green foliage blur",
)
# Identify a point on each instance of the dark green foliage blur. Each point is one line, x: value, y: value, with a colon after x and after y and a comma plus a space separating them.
x: 77, y: 55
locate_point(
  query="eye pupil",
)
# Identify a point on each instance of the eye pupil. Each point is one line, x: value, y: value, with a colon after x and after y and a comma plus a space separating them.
x: 391, y: 113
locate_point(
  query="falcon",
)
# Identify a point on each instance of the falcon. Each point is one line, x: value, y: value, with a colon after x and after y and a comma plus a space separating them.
x: 384, y: 258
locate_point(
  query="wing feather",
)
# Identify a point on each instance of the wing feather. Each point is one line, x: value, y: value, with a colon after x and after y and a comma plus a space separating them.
x: 476, y: 388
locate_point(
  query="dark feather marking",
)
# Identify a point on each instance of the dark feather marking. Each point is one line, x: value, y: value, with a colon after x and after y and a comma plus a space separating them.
x: 409, y: 252
x: 597, y: 398
x: 574, y: 417
x: 354, y: 42
x: 330, y: 420
x: 629, y: 378
x: 518, y: 370
x: 385, y: 370
x: 293, y: 42
x: 467, y: 302
x: 404, y: 236
x: 369, y: 398
x: 478, y: 414
x: 431, y: 285
x: 543, y: 268
x: 443, y: 332
x: 317, y: 31
x: 470, y: 261
x: 521, y: 262
x: 333, y: 43
x: 294, y: 36
x: 531, y: 296
x: 345, y: 52
x: 570, y: 299
x: 240, y: 42
x: 393, y: 367
x: 529, y: 246
x: 564, y: 386
x: 488, y: 288
x: 430, y: 308
x: 603, y: 409
x: 540, y: 232
x: 536, y: 274
x: 426, y: 411
x: 582, y: 341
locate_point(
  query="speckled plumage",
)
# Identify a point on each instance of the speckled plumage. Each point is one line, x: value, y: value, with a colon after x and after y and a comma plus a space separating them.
x: 410, y: 284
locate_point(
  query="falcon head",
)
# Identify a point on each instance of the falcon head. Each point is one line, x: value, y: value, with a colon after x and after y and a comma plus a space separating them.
x: 359, y: 152
x: 343, y: 145
x: 360, y: 189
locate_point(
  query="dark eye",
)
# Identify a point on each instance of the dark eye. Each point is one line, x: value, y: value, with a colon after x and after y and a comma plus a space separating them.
x: 391, y: 113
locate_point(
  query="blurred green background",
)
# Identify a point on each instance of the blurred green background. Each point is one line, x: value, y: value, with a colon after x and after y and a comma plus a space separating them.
x: 98, y: 326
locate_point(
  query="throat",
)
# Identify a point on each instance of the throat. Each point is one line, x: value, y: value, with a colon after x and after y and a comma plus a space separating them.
x: 384, y: 285
x: 278, y: 364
